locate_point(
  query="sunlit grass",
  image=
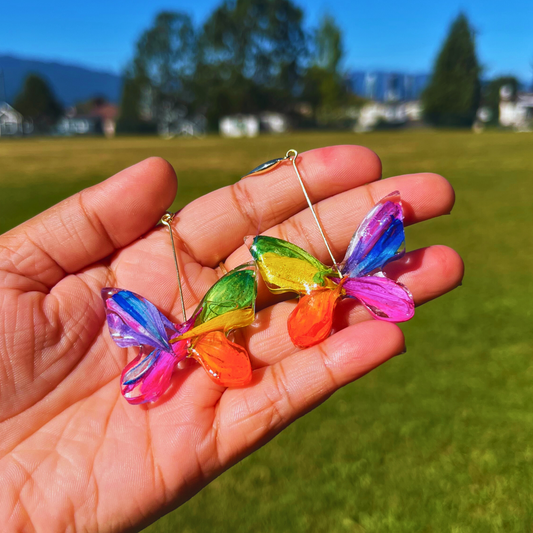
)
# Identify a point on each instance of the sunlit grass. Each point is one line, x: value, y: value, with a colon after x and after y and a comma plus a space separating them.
x: 441, y: 438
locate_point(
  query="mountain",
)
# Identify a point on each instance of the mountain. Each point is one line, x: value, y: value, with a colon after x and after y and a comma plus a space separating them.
x: 70, y: 83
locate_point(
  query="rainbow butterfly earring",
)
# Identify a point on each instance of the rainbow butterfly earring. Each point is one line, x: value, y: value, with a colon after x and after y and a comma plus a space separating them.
x: 285, y: 267
x: 134, y: 321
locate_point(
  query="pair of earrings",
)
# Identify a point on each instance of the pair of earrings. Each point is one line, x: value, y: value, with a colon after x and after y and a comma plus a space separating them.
x: 230, y: 303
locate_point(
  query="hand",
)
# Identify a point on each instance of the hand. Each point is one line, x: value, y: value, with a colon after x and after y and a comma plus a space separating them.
x: 73, y: 453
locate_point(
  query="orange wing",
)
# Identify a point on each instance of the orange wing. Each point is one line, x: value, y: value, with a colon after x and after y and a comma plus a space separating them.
x: 225, y: 362
x: 311, y: 320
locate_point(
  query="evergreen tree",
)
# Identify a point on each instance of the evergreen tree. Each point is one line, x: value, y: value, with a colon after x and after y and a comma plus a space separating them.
x: 454, y: 92
x: 323, y: 84
x: 159, y: 78
x: 131, y: 119
x: 37, y: 102
x: 329, y: 47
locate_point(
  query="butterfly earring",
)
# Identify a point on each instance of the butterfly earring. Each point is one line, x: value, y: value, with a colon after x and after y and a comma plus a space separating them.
x: 285, y: 267
x: 133, y: 321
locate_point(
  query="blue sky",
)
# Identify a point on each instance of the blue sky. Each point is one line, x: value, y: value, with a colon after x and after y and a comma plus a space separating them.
x: 388, y: 34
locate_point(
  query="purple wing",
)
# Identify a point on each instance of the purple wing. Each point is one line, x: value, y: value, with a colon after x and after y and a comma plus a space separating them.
x: 384, y: 298
x: 134, y: 321
x: 379, y: 239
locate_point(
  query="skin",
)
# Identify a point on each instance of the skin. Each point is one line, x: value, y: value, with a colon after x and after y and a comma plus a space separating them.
x: 74, y: 455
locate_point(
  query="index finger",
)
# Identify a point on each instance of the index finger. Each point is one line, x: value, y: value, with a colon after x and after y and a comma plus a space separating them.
x: 215, y: 225
x: 86, y: 227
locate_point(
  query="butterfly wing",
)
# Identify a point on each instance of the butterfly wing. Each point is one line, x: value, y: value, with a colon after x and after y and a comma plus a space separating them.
x: 134, y: 321
x: 287, y: 268
x: 312, y: 319
x: 228, y: 305
x: 225, y: 362
x: 148, y: 376
x: 379, y: 239
x: 384, y: 298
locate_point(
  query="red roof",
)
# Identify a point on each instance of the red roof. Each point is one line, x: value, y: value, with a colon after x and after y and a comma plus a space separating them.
x: 105, y: 111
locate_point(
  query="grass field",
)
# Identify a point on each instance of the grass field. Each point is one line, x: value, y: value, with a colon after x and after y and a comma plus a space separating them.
x: 437, y: 440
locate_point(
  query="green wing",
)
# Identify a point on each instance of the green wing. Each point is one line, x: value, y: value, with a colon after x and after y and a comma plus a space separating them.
x: 236, y: 290
x: 229, y: 304
x: 287, y: 268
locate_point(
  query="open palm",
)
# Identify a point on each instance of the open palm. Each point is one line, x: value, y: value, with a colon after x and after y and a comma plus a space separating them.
x: 74, y: 455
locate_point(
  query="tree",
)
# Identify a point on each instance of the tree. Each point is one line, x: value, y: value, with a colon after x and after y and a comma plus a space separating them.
x: 37, y: 102
x: 323, y: 85
x: 131, y: 118
x: 160, y: 76
x: 453, y: 94
x: 252, y: 55
x: 329, y: 47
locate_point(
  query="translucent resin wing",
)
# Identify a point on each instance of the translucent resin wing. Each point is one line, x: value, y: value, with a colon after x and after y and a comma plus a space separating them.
x: 378, y: 240
x: 228, y: 305
x: 287, y: 268
x: 385, y: 299
x: 134, y: 321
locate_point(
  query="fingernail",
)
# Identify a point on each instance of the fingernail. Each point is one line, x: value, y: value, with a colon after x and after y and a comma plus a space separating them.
x: 403, y: 351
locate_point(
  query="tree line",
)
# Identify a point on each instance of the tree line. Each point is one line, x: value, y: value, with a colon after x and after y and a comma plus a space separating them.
x: 256, y: 55
x: 249, y: 56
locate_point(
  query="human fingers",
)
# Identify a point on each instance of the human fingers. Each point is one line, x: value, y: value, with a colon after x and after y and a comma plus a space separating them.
x: 428, y: 273
x: 87, y: 226
x: 424, y: 196
x: 214, y: 225
x: 282, y: 392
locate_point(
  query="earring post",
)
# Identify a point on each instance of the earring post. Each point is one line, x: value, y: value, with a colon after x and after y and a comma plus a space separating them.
x: 291, y: 156
x: 166, y: 219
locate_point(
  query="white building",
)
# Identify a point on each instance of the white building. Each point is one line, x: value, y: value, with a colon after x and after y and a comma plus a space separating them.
x: 373, y: 113
x: 516, y: 112
x: 239, y: 126
x: 272, y: 122
x: 11, y: 121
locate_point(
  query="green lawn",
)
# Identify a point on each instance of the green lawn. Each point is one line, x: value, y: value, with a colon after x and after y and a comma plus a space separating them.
x: 439, y: 439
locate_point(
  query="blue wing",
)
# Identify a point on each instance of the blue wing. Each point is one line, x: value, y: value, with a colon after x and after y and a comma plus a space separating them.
x: 379, y: 239
x: 134, y: 321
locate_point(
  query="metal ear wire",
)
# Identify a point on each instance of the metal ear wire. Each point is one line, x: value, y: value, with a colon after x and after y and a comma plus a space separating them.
x: 291, y: 155
x: 166, y: 219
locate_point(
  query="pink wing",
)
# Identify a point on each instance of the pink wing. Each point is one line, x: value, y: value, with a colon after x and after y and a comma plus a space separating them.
x: 384, y: 298
x: 148, y: 376
x: 134, y: 321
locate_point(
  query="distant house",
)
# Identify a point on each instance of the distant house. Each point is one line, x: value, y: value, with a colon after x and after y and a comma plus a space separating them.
x: 373, y: 114
x: 251, y: 125
x: 99, y: 119
x: 107, y: 114
x: 239, y: 126
x: 72, y: 124
x: 516, y: 111
x: 175, y: 121
x: 272, y: 122
x: 11, y: 121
